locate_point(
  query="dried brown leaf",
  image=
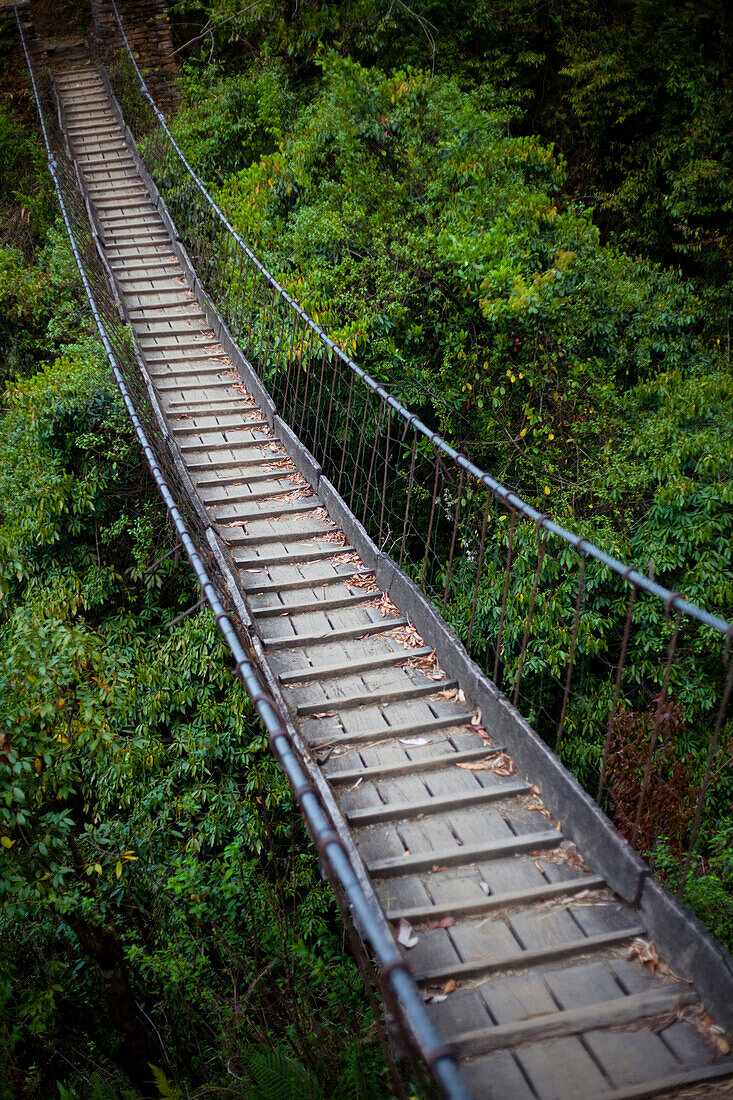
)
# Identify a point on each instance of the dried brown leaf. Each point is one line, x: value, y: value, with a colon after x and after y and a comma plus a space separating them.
x: 645, y: 952
x: 540, y: 808
x: 368, y: 582
x: 385, y: 606
x: 408, y: 637
x: 440, y: 922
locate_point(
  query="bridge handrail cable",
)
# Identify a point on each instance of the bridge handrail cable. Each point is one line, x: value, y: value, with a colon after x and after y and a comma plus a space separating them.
x: 581, y: 544
x: 393, y: 970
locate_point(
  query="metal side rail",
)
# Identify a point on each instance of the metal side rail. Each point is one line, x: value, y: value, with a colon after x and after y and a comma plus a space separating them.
x: 336, y: 861
x: 517, y: 924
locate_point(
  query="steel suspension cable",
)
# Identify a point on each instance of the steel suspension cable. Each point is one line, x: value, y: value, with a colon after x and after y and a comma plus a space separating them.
x: 512, y: 500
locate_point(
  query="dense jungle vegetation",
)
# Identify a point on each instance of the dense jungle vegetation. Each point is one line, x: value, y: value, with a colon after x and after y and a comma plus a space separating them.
x: 520, y: 215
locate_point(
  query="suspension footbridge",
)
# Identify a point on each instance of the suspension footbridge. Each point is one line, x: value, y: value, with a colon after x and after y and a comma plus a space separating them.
x: 521, y: 945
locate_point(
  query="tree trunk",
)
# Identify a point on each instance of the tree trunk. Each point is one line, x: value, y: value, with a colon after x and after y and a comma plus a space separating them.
x: 136, y: 1051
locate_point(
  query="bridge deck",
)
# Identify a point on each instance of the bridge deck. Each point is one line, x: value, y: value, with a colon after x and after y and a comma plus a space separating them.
x: 530, y: 965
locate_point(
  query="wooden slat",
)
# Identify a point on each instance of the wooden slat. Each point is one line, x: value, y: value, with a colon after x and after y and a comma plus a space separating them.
x: 420, y: 763
x: 371, y: 698
x: 341, y: 634
x: 667, y: 1086
x: 462, y: 854
x: 314, y: 582
x: 618, y: 1012
x: 253, y: 476
x: 481, y: 967
x: 328, y: 603
x: 267, y: 511
x: 353, y: 665
x: 250, y: 497
x: 387, y: 733
x: 300, y: 557
x: 418, y: 913
x: 217, y: 465
x: 461, y: 800
x: 235, y: 539
x: 225, y: 445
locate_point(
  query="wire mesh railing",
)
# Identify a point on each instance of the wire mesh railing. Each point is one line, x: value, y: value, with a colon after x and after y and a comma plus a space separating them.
x: 628, y: 681
x: 383, y: 966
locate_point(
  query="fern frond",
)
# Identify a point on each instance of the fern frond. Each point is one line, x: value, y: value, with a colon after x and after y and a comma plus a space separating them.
x: 166, y: 1089
x: 273, y: 1075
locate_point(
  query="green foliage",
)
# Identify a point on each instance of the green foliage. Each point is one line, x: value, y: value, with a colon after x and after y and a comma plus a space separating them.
x: 271, y: 1075
x: 25, y: 189
x: 249, y: 113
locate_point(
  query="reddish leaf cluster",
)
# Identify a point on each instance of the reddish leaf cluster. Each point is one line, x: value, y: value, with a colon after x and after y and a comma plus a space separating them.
x: 638, y: 739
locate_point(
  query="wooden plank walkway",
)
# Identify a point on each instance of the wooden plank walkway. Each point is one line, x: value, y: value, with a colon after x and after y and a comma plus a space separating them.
x: 530, y: 965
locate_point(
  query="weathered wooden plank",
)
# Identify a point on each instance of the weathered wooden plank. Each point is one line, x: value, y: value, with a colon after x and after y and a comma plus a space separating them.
x: 507, y: 900
x: 440, y: 804
x: 346, y: 702
x: 465, y: 853
x: 300, y: 582
x: 406, y: 765
x: 406, y: 730
x: 562, y: 1069
x: 326, y: 604
x: 481, y: 967
x: 497, y: 1077
x: 668, y: 1086
x: 331, y: 635
x: 577, y: 1021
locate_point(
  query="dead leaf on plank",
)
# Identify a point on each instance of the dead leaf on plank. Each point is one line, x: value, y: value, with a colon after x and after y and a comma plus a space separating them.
x: 348, y: 559
x: 385, y: 606
x: 441, y: 922
x: 435, y: 868
x: 284, y: 464
x: 428, y: 664
x: 499, y: 763
x: 369, y: 582
x: 450, y: 986
x: 407, y: 636
x: 289, y: 495
x: 540, y: 809
x: 476, y: 720
x: 645, y: 952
